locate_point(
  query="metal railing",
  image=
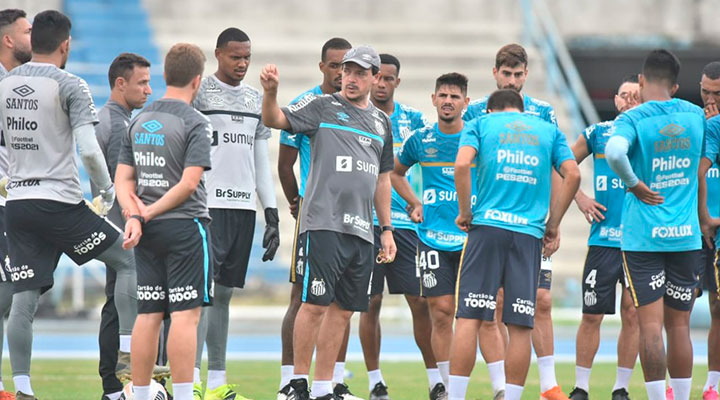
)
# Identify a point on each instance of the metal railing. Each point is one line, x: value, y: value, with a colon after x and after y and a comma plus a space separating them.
x: 563, y: 78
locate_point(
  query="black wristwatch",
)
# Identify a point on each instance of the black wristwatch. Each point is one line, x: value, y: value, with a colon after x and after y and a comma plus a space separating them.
x: 387, y: 228
x: 139, y: 218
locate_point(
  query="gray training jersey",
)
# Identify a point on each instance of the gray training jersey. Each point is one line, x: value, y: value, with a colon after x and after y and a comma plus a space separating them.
x: 3, y: 148
x: 234, y: 112
x: 41, y: 105
x: 164, y: 139
x: 350, y: 147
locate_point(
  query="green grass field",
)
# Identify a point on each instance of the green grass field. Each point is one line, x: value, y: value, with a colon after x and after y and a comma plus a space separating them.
x: 78, y: 380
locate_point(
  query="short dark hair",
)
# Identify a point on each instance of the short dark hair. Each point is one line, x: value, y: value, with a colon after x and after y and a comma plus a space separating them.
x: 50, y: 29
x: 633, y: 78
x: 452, y: 79
x: 661, y: 65
x: 505, y: 98
x: 9, y: 16
x: 183, y: 63
x: 123, y: 65
x: 511, y: 55
x: 231, y: 35
x: 390, y: 59
x: 712, y: 70
x: 335, y: 43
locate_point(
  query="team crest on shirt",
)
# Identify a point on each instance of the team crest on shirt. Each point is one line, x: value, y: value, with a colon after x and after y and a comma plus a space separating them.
x: 429, y: 280
x: 250, y: 100
x: 379, y: 128
x: 590, y: 298
x: 317, y: 287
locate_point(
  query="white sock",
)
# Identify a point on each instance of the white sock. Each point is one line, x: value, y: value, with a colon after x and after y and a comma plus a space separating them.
x: 338, y: 373
x: 22, y: 384
x: 496, y: 371
x: 286, y: 373
x: 622, y: 378
x: 112, y: 396
x: 306, y: 377
x: 321, y: 388
x: 125, y: 343
x: 582, y: 378
x: 546, y: 370
x: 143, y: 392
x: 183, y: 391
x: 513, y: 392
x: 434, y: 377
x: 681, y: 387
x: 444, y: 368
x: 374, y: 377
x: 196, y: 376
x: 655, y: 390
x: 712, y: 380
x: 215, y: 379
x: 457, y: 387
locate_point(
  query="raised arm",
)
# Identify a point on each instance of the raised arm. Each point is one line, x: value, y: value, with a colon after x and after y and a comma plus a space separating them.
x: 272, y: 115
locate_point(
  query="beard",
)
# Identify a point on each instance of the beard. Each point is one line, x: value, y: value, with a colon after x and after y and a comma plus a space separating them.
x: 22, y: 55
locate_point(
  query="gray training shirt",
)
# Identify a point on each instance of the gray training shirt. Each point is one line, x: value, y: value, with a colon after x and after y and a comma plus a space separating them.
x: 164, y: 139
x: 350, y: 147
x: 3, y: 148
x: 41, y: 105
x: 235, y: 116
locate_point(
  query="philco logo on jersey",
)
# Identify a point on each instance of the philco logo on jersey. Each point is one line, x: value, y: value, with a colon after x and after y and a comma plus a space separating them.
x: 178, y: 294
x: 20, y: 124
x: 90, y: 243
x: 24, y: 90
x: 341, y: 116
x: 480, y: 300
x: 522, y: 306
x: 317, y: 287
x: 364, y: 140
x: 502, y: 216
x: 148, y: 159
x: 343, y: 164
x: 517, y: 157
x: 678, y: 231
x: 233, y: 194
x: 147, y: 292
x: 26, y: 183
x: 357, y: 222
x: 21, y: 273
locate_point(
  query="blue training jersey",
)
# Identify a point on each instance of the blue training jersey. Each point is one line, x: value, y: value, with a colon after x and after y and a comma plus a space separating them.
x: 301, y: 142
x: 532, y: 106
x: 405, y: 120
x: 609, y: 189
x: 666, y: 141
x: 712, y: 152
x: 515, y: 156
x: 436, y: 152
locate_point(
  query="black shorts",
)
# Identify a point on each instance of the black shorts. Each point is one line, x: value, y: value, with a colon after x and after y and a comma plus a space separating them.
x: 5, y: 268
x: 39, y: 231
x: 232, y: 234
x: 174, y: 266
x: 337, y: 269
x: 495, y: 257
x: 545, y: 278
x: 438, y: 270
x: 402, y: 274
x: 708, y: 275
x: 603, y: 270
x: 298, y: 250
x: 668, y: 275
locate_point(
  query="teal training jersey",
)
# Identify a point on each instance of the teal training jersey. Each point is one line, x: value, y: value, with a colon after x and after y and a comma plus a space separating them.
x: 666, y: 140
x: 301, y: 142
x: 532, y: 106
x: 436, y: 152
x: 712, y: 152
x: 609, y: 189
x: 404, y: 121
x: 515, y: 156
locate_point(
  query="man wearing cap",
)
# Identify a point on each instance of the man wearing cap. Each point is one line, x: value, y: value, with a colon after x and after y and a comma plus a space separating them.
x: 351, y: 149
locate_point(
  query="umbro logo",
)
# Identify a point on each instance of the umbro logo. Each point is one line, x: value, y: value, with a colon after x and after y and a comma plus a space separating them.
x: 152, y: 126
x: 24, y: 90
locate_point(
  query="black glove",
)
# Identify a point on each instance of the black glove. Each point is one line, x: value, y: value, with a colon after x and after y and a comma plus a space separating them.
x: 271, y: 238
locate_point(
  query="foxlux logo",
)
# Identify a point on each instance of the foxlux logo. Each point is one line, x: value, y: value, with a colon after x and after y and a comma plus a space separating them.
x: 152, y: 126
x: 343, y: 164
x: 664, y: 232
x: 502, y: 216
